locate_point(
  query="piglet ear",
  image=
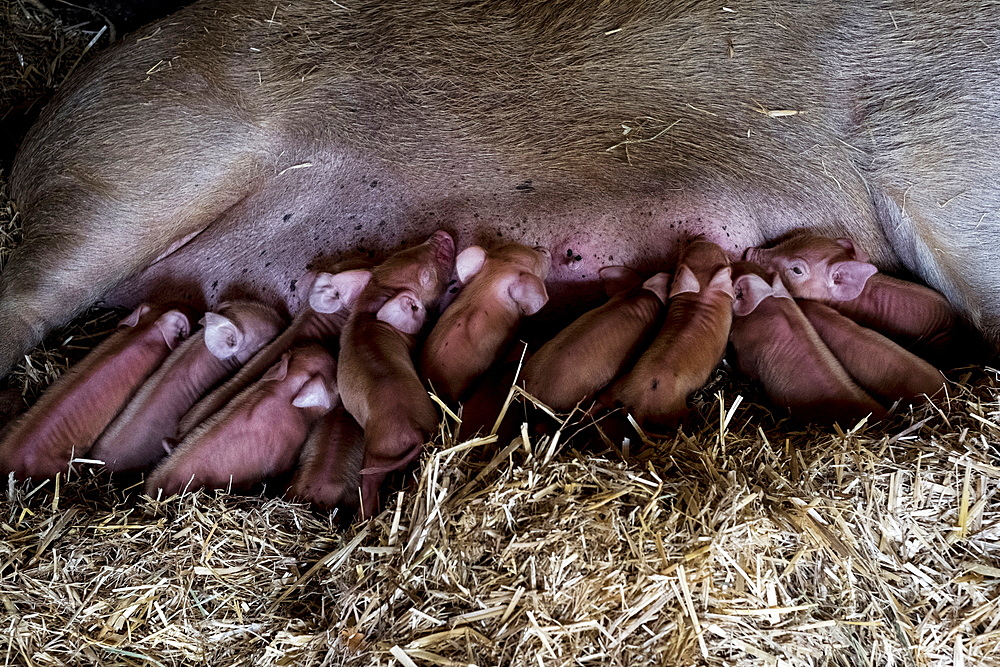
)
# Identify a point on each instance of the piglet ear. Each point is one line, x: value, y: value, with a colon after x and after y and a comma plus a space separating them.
x: 528, y: 292
x: 404, y: 312
x: 133, y: 319
x: 469, y: 262
x: 848, y: 279
x: 722, y: 281
x: 854, y: 251
x: 749, y: 289
x: 313, y: 394
x: 658, y: 285
x: 618, y: 279
x: 277, y: 372
x: 222, y: 337
x: 174, y: 327
x: 332, y: 292
x: 779, y: 289
x: 685, y: 281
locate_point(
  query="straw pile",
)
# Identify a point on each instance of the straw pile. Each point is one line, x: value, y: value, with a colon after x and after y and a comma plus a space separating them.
x: 745, y: 542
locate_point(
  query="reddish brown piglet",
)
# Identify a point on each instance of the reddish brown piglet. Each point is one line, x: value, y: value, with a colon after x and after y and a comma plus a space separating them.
x: 328, y: 474
x: 330, y: 299
x: 776, y: 346
x: 378, y: 382
x: 690, y: 344
x: 73, y: 412
x: 229, y: 338
x: 588, y: 354
x: 878, y: 365
x: 838, y: 273
x: 500, y: 288
x: 259, y: 433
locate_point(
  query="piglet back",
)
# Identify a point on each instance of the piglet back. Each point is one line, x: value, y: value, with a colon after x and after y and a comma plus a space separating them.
x: 72, y: 413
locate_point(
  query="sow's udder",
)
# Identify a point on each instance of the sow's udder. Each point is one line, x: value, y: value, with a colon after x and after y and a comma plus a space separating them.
x: 263, y: 255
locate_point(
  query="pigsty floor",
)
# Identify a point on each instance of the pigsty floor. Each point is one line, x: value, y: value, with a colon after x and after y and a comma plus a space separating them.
x: 746, y: 542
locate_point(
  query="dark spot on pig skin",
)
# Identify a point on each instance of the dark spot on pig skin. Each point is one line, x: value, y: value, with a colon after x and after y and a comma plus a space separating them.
x: 291, y: 285
x: 216, y: 283
x: 526, y: 186
x: 286, y: 217
x: 373, y: 184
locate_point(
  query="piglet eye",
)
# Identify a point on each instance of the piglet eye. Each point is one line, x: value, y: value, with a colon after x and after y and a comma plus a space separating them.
x: 797, y: 270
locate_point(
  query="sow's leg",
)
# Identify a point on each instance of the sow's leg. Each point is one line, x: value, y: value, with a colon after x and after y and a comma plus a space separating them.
x: 107, y: 182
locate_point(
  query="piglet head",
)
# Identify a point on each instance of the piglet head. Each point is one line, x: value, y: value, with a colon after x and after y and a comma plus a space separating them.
x: 333, y: 292
x: 174, y: 326
x: 752, y: 285
x: 404, y: 312
x: 686, y: 281
x: 308, y: 370
x: 703, y: 257
x: 817, y: 267
x: 617, y: 279
x: 239, y: 329
x: 658, y: 285
x: 424, y: 270
x: 313, y: 394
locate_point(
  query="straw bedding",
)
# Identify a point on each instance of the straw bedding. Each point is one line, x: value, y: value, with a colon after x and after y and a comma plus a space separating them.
x: 745, y: 542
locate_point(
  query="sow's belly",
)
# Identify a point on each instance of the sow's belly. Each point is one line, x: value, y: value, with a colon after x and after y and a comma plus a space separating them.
x: 315, y: 217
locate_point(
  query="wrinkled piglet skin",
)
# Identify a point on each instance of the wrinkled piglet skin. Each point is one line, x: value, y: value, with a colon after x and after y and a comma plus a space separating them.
x: 775, y: 345
x: 501, y: 287
x: 328, y: 474
x: 229, y: 338
x: 260, y: 432
x: 72, y: 413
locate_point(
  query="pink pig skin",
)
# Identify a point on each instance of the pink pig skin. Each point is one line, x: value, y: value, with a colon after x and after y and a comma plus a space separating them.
x: 838, y: 273
x: 589, y: 353
x: 321, y: 320
x: 73, y: 412
x: 776, y: 346
x: 501, y: 287
x: 134, y: 439
x: 259, y: 433
x: 378, y: 382
x: 690, y: 344
x: 329, y: 470
x: 878, y: 365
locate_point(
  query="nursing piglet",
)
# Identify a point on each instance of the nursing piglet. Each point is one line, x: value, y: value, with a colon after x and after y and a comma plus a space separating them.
x: 776, y: 346
x: 838, y: 273
x: 72, y: 413
x: 588, y: 354
x: 689, y: 345
x: 378, y: 382
x: 500, y: 288
x: 260, y: 432
x: 328, y: 474
x: 321, y: 319
x: 881, y: 367
x: 134, y: 440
